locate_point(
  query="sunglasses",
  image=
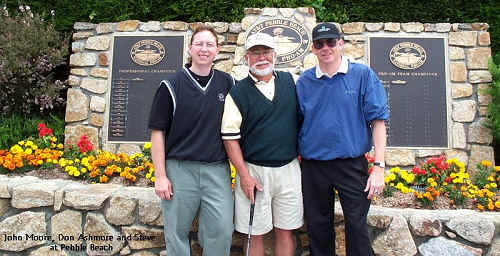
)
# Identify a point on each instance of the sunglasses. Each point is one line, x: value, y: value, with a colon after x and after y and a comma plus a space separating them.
x: 330, y: 42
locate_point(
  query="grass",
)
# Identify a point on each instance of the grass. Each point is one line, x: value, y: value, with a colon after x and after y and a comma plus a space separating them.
x: 16, y: 127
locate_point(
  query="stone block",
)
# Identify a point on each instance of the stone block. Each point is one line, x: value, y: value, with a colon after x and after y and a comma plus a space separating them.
x: 34, y: 194
x: 479, y: 133
x: 412, y: 27
x: 99, y: 72
x: 98, y: 43
x: 461, y: 90
x: 97, y: 104
x: 458, y: 137
x: 66, y: 225
x: 374, y: 27
x: 392, y: 27
x: 77, y: 106
x: 104, y: 28
x: 127, y: 26
x: 458, y: 72
x: 483, y: 39
x: 463, y: 38
x: 470, y: 228
x: 121, y: 210
x: 96, y: 225
x: 25, y: 230
x: 456, y: 53
x: 480, y: 76
x: 98, y: 86
x: 150, y: 26
x: 353, y: 27
x: 399, y: 157
x: 151, y: 237
x: 96, y: 119
x: 477, y: 58
x: 443, y: 246
x: 82, y: 59
x: 425, y: 225
x: 354, y: 51
x: 479, y: 153
x: 175, y: 25
x: 464, y: 111
x: 396, y: 240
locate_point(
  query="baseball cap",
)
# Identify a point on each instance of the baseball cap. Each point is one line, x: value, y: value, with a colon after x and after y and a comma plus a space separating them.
x: 325, y: 30
x: 259, y: 39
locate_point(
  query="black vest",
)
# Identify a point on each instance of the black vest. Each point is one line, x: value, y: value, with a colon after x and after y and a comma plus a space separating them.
x: 195, y: 131
x: 269, y: 129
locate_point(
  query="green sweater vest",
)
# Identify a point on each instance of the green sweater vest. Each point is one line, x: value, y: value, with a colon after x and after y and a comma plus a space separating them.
x: 269, y: 129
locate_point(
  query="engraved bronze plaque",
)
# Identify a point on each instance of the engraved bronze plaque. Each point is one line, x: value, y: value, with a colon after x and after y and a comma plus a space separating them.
x: 413, y: 72
x: 291, y: 38
x: 139, y: 64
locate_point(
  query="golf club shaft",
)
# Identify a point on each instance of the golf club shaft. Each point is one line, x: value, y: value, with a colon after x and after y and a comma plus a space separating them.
x: 252, y: 208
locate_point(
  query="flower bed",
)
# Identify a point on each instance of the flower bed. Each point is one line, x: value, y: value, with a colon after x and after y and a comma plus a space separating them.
x: 437, y: 179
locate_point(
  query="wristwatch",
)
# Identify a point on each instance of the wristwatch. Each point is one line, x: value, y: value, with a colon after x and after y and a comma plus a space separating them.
x: 380, y: 164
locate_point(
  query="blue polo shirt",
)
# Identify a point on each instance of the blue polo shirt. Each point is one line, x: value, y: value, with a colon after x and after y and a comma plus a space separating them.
x: 337, y: 112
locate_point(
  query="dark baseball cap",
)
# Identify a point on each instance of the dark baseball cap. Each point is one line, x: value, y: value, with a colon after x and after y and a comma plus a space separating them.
x: 325, y: 30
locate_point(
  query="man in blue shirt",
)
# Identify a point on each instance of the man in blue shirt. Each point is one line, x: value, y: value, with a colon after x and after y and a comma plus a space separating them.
x: 344, y: 108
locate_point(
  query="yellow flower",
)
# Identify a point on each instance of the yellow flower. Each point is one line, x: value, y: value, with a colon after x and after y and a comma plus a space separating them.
x: 490, y: 178
x: 29, y: 143
x: 21, y: 142
x: 491, y: 206
x: 76, y: 173
x: 35, y: 147
x: 83, y: 170
x: 497, y: 204
x: 28, y: 151
x: 493, y: 185
x: 497, y: 168
x: 434, y: 184
x: 147, y: 145
x: 16, y: 149
x: 480, y: 207
x: 486, y: 163
x: 430, y: 180
x: 445, y: 183
x: 60, y: 146
x: 153, y: 179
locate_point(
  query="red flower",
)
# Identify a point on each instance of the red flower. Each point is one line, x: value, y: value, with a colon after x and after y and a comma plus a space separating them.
x: 433, y: 170
x: 84, y: 144
x: 43, y: 130
x: 448, y: 179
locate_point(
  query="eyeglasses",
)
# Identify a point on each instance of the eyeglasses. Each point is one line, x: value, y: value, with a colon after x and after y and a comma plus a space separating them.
x: 200, y: 44
x: 266, y: 53
x: 330, y: 42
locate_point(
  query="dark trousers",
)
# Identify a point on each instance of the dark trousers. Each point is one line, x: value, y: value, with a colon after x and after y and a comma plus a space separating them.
x: 349, y: 177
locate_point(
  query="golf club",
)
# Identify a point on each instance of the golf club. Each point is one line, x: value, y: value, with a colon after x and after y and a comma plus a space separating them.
x: 252, y: 207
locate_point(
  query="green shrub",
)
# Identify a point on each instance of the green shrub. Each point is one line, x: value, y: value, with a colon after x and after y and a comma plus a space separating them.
x: 30, y: 51
x: 16, y: 127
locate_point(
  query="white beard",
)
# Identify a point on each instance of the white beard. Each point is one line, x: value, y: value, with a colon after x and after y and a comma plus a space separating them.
x: 262, y: 72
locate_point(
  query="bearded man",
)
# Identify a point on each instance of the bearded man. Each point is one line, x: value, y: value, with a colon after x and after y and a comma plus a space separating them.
x: 259, y: 129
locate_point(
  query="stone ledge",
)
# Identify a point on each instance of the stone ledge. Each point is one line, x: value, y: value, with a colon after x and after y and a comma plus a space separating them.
x: 112, y: 210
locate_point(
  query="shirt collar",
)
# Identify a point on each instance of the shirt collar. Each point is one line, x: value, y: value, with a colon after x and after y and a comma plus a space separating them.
x: 260, y: 81
x: 344, y: 64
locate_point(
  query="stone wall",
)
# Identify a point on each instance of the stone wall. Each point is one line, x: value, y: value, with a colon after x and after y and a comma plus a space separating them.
x: 468, y: 53
x: 105, y: 219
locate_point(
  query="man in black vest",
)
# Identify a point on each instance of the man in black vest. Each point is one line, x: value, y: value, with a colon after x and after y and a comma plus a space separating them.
x: 259, y: 130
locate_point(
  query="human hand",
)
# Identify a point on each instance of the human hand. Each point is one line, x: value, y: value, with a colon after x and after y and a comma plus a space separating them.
x: 375, y: 184
x: 248, y: 185
x: 163, y: 188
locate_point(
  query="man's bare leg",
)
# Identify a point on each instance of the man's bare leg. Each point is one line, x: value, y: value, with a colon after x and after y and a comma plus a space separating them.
x: 283, y: 243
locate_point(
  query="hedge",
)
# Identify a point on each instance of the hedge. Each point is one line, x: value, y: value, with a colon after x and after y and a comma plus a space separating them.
x: 342, y: 11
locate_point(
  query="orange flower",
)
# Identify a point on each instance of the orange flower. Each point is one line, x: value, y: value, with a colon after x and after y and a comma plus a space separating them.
x: 103, y: 179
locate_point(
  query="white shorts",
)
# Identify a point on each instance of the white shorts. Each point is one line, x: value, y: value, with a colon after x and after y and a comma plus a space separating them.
x: 278, y: 205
